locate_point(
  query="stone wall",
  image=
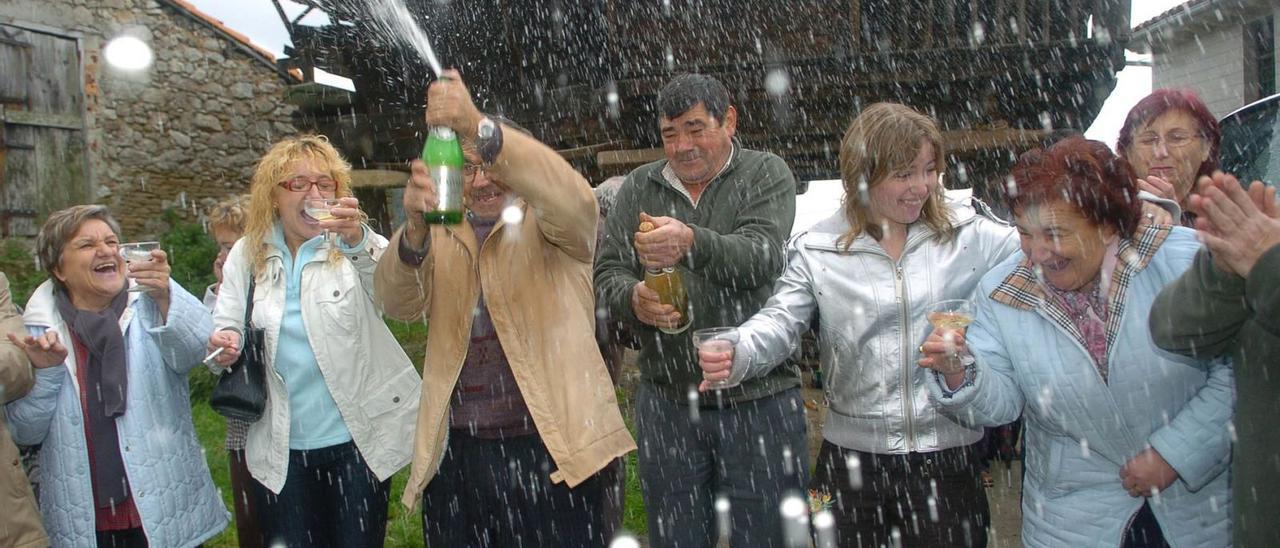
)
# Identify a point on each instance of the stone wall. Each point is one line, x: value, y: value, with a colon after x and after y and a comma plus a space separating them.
x: 183, y: 133
x: 1213, y: 66
x: 1213, y: 63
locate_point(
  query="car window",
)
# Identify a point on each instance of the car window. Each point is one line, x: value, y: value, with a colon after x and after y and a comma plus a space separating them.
x: 1251, y: 146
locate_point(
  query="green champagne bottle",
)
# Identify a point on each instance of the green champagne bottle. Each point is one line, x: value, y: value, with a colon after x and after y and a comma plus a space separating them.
x: 443, y: 156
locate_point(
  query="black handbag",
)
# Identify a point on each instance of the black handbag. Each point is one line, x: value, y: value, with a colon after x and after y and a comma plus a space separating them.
x: 241, y: 393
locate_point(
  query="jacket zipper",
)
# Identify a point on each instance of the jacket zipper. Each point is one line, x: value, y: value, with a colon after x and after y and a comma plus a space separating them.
x: 901, y: 287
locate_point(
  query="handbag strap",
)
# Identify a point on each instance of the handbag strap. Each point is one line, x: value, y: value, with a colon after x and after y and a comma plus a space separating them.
x: 248, y: 309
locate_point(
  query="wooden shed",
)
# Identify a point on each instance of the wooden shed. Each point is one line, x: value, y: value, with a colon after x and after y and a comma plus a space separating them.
x: 1001, y: 76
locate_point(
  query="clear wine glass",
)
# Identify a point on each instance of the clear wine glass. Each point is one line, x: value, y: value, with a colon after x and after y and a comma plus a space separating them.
x: 716, y: 339
x: 953, y: 316
x: 321, y: 209
x: 137, y: 252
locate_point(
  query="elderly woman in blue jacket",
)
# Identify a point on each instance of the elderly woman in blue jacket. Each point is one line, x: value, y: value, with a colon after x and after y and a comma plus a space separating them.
x: 1126, y: 444
x: 121, y: 461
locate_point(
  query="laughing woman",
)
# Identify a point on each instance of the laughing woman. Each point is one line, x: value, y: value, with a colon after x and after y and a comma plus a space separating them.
x: 342, y: 395
x: 122, y: 465
x: 1126, y: 444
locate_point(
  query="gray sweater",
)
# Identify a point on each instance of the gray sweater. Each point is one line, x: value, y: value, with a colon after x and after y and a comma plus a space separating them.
x: 1208, y: 312
x: 740, y: 226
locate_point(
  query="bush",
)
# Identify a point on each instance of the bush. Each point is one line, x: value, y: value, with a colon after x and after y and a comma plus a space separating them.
x: 191, y: 253
x: 18, y: 263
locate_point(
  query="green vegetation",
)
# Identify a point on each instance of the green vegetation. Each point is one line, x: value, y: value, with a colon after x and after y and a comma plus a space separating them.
x: 191, y: 252
x: 17, y: 262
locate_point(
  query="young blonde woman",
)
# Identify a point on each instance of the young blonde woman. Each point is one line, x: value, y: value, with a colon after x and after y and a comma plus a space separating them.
x: 342, y: 395
x: 894, y: 466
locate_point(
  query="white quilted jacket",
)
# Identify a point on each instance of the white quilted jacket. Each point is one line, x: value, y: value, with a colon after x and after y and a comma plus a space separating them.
x: 170, y: 482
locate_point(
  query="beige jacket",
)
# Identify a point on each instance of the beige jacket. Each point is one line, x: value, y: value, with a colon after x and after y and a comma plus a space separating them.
x: 20, y: 525
x: 536, y: 276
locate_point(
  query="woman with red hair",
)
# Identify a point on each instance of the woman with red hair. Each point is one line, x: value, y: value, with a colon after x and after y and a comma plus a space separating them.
x: 1171, y: 139
x: 1126, y: 444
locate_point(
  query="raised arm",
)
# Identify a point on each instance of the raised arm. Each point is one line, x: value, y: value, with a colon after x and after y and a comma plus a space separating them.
x: 559, y: 196
x: 182, y: 336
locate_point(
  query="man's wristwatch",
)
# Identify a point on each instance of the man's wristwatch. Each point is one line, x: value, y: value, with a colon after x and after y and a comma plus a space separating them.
x: 488, y: 139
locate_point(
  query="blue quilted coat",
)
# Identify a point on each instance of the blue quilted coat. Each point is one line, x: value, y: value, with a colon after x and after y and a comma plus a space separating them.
x: 163, y: 460
x: 1080, y: 429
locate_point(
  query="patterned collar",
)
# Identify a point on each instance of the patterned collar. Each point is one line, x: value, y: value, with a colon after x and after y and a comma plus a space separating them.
x: 1022, y: 290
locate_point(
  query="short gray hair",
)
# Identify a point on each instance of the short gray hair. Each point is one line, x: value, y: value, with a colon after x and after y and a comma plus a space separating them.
x: 685, y: 91
x: 61, y: 226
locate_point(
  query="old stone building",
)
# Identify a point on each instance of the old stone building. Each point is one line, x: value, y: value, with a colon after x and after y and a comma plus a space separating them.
x: 181, y: 133
x: 1225, y: 50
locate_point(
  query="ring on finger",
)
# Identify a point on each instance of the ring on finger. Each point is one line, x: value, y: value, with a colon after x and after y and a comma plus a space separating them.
x: 922, y: 349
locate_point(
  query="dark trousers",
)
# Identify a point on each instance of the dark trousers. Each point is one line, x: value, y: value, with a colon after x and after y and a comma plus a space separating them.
x: 752, y: 453
x: 498, y: 492
x: 330, y: 498
x: 244, y: 498
x: 1144, y: 531
x: 613, y: 480
x: 124, y: 538
x: 931, y: 499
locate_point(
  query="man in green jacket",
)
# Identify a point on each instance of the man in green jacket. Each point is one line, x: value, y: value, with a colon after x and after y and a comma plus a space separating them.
x: 721, y: 215
x: 1229, y: 301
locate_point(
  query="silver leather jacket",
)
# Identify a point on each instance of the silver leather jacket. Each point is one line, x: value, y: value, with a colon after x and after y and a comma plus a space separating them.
x: 871, y: 313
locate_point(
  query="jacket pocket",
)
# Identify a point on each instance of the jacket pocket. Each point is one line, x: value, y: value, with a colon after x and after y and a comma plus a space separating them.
x: 338, y: 302
x: 392, y: 409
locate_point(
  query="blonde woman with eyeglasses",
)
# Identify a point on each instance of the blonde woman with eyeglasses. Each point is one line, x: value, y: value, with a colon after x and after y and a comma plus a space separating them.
x: 342, y: 395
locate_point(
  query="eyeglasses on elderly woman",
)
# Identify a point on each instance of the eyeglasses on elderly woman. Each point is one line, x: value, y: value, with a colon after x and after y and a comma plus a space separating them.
x: 1175, y: 139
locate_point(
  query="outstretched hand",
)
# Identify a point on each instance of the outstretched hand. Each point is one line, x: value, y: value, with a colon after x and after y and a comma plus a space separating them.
x: 44, y: 351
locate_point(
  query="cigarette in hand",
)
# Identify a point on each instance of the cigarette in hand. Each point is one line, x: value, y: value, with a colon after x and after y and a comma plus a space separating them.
x: 208, y: 360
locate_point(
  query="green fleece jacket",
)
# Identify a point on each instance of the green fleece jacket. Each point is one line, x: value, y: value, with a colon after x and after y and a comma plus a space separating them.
x: 740, y: 226
x: 1208, y: 312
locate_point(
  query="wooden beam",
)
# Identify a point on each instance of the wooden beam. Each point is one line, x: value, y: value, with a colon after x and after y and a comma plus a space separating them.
x: 41, y: 119
x: 969, y: 140
x: 578, y: 153
x: 638, y: 156
x: 377, y: 178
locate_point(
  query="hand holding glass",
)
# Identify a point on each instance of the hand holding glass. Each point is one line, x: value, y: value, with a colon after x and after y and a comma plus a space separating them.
x: 138, y: 252
x: 320, y: 209
x: 715, y: 349
x: 951, y: 317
